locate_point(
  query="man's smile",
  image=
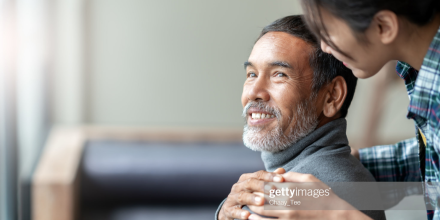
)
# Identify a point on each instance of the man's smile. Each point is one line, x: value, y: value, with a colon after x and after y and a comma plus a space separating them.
x: 258, y: 117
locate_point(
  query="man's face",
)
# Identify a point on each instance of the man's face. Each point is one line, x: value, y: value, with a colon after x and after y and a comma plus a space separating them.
x: 278, y: 87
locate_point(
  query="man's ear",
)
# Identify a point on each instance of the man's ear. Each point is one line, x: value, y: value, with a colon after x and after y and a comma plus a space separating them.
x: 335, y: 96
x: 386, y: 25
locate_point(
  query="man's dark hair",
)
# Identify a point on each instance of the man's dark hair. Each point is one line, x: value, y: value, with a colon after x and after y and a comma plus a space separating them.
x: 325, y: 66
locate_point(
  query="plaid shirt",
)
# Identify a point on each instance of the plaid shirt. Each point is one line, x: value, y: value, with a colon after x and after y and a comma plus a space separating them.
x: 400, y: 162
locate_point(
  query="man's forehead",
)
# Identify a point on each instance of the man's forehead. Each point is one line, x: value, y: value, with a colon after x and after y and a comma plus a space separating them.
x: 280, y: 46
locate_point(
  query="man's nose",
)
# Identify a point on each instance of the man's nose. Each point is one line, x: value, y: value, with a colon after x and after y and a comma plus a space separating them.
x: 325, y: 47
x: 258, y: 91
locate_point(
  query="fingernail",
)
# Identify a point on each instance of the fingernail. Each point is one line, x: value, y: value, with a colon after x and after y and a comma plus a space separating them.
x: 276, y: 169
x: 243, y: 215
x: 277, y: 179
x: 258, y: 199
x: 252, y: 217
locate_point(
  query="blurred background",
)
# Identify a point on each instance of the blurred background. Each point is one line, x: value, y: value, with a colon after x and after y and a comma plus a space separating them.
x: 143, y: 64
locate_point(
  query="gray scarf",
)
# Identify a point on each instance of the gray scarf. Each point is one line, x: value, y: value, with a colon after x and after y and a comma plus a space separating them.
x: 325, y: 154
x: 328, y: 139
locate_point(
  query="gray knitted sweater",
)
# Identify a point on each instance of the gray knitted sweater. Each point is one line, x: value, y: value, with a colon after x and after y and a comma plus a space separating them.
x: 325, y: 154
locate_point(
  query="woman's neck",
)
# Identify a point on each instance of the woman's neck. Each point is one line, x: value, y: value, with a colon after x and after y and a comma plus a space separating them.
x: 414, y: 42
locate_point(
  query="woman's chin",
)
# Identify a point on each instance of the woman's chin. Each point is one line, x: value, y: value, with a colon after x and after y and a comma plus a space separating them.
x: 362, y: 74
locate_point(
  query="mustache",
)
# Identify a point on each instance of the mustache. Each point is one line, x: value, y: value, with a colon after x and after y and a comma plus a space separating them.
x: 263, y: 106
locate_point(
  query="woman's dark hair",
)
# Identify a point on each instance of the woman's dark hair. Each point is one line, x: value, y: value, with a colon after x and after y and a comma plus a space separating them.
x: 359, y: 13
x: 325, y: 66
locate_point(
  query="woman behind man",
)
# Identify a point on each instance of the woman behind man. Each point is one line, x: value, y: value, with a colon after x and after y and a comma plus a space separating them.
x: 365, y: 35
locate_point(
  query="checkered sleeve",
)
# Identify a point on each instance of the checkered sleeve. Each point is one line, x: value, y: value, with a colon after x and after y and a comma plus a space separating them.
x: 393, y: 163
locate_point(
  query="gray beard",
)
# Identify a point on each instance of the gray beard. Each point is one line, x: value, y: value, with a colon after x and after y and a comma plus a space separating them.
x: 275, y: 140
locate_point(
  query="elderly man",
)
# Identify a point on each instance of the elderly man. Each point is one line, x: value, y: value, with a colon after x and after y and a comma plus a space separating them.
x: 295, y: 101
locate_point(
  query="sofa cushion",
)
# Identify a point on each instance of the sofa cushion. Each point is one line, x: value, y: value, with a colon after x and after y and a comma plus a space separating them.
x: 163, y: 173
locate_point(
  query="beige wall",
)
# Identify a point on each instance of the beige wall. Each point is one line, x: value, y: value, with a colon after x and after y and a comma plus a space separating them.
x: 177, y: 63
x: 393, y: 125
x: 173, y: 62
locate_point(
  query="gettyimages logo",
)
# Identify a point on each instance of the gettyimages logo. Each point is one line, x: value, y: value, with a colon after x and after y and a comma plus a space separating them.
x: 315, y: 193
x: 285, y: 194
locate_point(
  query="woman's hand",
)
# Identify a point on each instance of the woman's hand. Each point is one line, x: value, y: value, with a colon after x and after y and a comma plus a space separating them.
x: 333, y: 206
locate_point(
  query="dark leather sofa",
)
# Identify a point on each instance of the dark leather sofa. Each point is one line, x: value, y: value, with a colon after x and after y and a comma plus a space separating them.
x: 123, y: 180
x: 153, y: 178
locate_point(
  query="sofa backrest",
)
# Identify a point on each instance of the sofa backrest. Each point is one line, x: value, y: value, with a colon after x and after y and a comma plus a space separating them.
x: 162, y: 172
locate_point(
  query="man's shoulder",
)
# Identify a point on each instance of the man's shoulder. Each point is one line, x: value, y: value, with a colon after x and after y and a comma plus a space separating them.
x: 338, y: 167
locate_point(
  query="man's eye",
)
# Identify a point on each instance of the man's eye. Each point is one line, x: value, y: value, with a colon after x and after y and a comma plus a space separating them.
x: 252, y: 75
x: 280, y: 74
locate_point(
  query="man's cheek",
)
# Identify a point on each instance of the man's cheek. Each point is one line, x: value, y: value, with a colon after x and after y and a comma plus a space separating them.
x: 244, y: 98
x: 284, y: 121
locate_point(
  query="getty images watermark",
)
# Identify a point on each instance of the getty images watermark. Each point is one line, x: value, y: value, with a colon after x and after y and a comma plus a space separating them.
x: 291, y: 193
x: 360, y: 196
